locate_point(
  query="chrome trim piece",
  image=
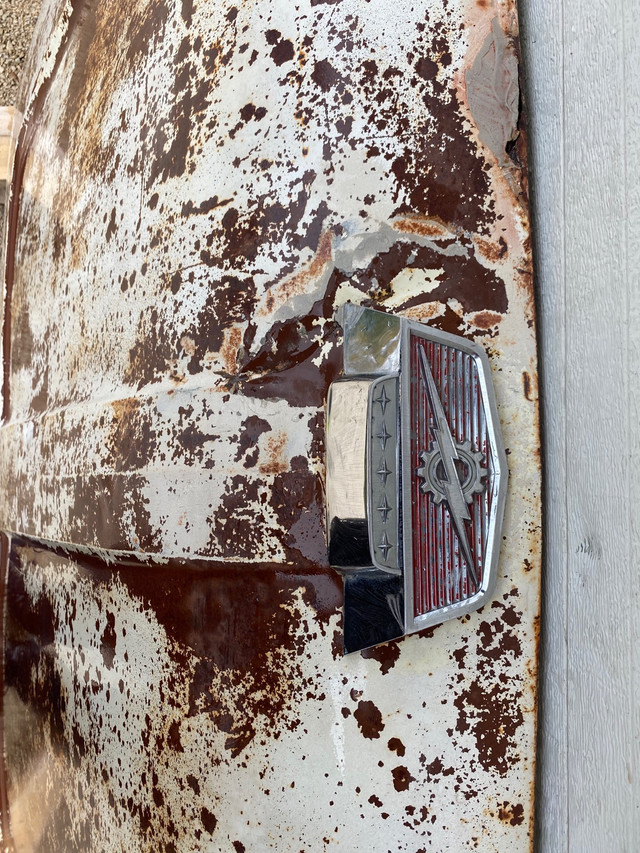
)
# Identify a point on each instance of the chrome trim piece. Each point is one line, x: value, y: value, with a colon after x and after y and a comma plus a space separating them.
x: 413, y: 459
x: 496, y: 487
x: 383, y: 466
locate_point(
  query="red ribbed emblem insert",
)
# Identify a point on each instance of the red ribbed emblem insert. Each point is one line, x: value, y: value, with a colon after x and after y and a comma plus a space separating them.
x: 450, y: 467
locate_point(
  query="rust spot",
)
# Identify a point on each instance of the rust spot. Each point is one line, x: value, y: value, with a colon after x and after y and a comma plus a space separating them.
x: 229, y: 349
x: 250, y: 431
x: 108, y: 641
x: 527, y: 384
x: 300, y: 281
x: 401, y: 778
x: 425, y: 226
x: 188, y: 345
x: 298, y: 502
x: 275, y: 447
x: 386, y: 655
x: 489, y: 250
x: 436, y: 768
x: 286, y: 364
x: 369, y: 719
x: 497, y: 641
x: 460, y: 655
x: 426, y: 313
x: 494, y: 717
x: 132, y: 439
x: 514, y: 815
x: 486, y: 319
x: 396, y: 745
x: 78, y: 251
x: 209, y: 820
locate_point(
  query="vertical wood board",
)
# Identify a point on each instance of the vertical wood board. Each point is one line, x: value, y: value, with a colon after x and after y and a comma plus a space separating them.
x: 583, y: 82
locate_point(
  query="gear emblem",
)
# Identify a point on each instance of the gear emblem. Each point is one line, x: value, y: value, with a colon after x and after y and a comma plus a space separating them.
x: 469, y: 467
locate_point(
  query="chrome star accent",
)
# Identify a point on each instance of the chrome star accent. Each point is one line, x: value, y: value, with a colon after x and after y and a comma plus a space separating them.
x: 385, y: 546
x: 384, y: 509
x: 383, y: 435
x: 382, y: 399
x: 383, y: 472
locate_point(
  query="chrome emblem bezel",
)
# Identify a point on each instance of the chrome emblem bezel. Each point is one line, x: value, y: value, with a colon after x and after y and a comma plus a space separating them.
x: 402, y: 473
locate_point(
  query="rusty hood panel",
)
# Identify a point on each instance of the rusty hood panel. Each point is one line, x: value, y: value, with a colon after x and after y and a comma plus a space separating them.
x: 197, y: 188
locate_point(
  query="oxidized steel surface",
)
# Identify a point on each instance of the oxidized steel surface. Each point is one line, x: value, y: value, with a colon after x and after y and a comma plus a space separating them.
x: 197, y: 187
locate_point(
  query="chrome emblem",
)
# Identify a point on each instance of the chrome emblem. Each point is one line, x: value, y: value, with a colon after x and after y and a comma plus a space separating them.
x: 416, y: 477
x: 445, y: 455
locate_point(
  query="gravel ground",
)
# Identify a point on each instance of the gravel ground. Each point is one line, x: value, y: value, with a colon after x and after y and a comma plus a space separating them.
x: 17, y: 20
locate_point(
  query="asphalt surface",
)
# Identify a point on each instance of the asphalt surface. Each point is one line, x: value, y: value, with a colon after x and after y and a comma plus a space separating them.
x: 17, y: 21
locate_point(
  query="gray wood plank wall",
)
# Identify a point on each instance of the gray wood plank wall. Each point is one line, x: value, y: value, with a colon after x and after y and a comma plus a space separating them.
x: 582, y: 84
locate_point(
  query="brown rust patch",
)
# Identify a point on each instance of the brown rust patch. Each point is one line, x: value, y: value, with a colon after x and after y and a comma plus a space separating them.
x: 132, y: 439
x: 387, y: 655
x: 244, y: 670
x: 490, y: 707
x: 297, y: 499
x: 79, y: 250
x: 396, y: 745
x: 401, y: 778
x: 424, y: 226
x: 229, y: 349
x: 101, y: 506
x: 529, y: 386
x: 436, y: 768
x: 275, y: 448
x: 285, y: 364
x: 493, y: 716
x: 250, y: 431
x: 490, y: 250
x: 369, y: 719
x: 486, y: 319
x: 513, y: 815
x: 188, y: 345
x: 299, y: 282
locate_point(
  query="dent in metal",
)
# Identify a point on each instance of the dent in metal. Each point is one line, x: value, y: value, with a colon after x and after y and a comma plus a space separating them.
x: 493, y: 92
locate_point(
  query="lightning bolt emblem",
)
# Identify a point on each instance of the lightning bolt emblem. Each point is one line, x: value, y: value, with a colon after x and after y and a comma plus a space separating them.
x: 451, y: 484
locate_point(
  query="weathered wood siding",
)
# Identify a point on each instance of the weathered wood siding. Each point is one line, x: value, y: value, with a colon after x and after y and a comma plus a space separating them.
x: 583, y: 87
